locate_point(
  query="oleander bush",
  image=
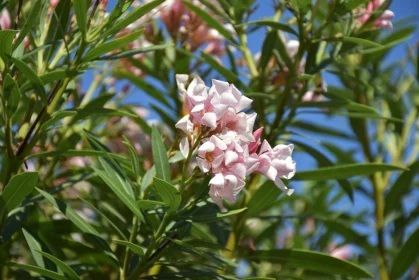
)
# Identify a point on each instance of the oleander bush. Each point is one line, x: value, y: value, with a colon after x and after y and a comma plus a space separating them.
x: 208, y: 139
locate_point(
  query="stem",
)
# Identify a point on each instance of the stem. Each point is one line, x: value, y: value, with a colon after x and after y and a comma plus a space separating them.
x: 248, y: 55
x: 132, y: 237
x: 187, y: 161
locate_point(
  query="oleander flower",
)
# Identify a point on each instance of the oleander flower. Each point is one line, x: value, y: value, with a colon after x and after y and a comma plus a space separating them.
x: 227, y: 147
x: 384, y: 21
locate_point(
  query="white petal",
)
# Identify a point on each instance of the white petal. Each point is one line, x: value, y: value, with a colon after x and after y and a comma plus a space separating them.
x: 218, y: 142
x: 198, y: 108
x: 184, y: 146
x: 239, y: 169
x: 220, y: 86
x: 203, y: 165
x: 183, y: 124
x: 210, y: 120
x: 230, y: 157
x: 207, y: 147
x: 282, y: 187
x: 265, y: 147
x: 217, y: 180
x: 243, y: 103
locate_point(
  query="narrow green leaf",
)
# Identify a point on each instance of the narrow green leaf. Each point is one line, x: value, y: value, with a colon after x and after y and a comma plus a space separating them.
x: 360, y: 41
x: 137, y: 13
x: 268, y: 45
x: 80, y: 9
x: 36, y: 245
x: 69, y: 212
x: 56, y: 117
x: 401, y: 187
x: 229, y: 75
x: 345, y: 171
x: 64, y: 267
x: 135, y: 248
x: 407, y: 256
x: 17, y: 189
x: 353, y: 4
x: 260, y: 95
x: 29, y: 23
x: 133, y: 52
x: 274, y: 24
x: 59, y: 22
x: 264, y: 197
x: 215, y: 216
x: 39, y: 270
x: 32, y: 77
x: 148, y: 204
x: 135, y: 164
x: 6, y: 41
x: 210, y: 20
x: 148, y: 178
x: 309, y: 260
x: 120, y: 192
x: 170, y: 195
x: 11, y: 93
x: 73, y: 153
x: 351, y: 106
x: 111, y: 46
x: 161, y: 160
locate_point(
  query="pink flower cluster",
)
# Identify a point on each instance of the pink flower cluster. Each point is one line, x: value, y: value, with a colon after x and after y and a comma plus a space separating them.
x: 384, y: 21
x: 215, y: 123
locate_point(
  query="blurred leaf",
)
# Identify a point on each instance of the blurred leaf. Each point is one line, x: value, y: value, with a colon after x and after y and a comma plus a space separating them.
x: 17, y: 189
x: 351, y: 106
x: 345, y: 171
x: 401, y: 187
x: 309, y: 260
x: 316, y: 128
x: 69, y: 212
x: 260, y: 95
x: 210, y: 20
x: 32, y: 78
x: 264, y: 197
x: 39, y: 270
x: 168, y: 193
x: 324, y: 161
x: 6, y: 39
x: 149, y: 204
x: 135, y: 164
x: 111, y: 46
x: 161, y: 160
x: 14, y: 222
x: 133, y: 52
x: 73, y: 153
x: 135, y: 248
x: 360, y: 41
x: 11, y: 93
x: 29, y: 23
x: 59, y: 22
x: 135, y: 14
x: 353, y: 4
x: 71, y: 274
x: 229, y: 75
x: 148, y: 178
x: 268, y: 45
x: 80, y: 9
x: 274, y: 24
x: 56, y: 116
x: 406, y: 257
x: 215, y: 216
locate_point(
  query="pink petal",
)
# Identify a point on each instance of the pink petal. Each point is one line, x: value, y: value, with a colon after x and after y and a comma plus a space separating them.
x: 210, y: 120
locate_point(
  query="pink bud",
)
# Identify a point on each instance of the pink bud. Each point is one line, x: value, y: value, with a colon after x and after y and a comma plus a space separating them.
x: 5, y: 20
x: 54, y: 3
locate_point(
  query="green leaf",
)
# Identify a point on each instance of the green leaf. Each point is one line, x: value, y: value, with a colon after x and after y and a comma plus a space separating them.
x: 268, y: 45
x: 119, y: 190
x: 39, y: 270
x: 161, y: 160
x: 36, y: 245
x: 229, y: 75
x: 80, y: 9
x: 264, y: 197
x: 334, y: 104
x: 260, y: 95
x: 115, y: 227
x: 353, y: 4
x: 215, y: 216
x: 135, y: 163
x: 29, y: 23
x: 133, y: 52
x: 149, y: 204
x: 132, y: 16
x: 11, y: 93
x: 32, y: 77
x: 400, y: 187
x: 360, y: 41
x: 111, y: 46
x: 56, y: 117
x: 69, y: 212
x: 73, y: 153
x: 148, y: 178
x: 6, y: 41
x: 406, y: 257
x: 345, y: 171
x: 210, y: 20
x: 64, y: 267
x: 135, y: 248
x: 274, y: 24
x: 17, y: 189
x: 59, y: 22
x: 309, y: 260
x: 170, y: 195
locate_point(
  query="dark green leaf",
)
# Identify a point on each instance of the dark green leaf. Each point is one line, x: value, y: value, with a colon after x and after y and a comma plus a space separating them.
x: 229, y: 75
x: 39, y: 270
x: 135, y: 164
x: 345, y: 171
x: 406, y: 257
x: 6, y: 41
x: 133, y: 52
x: 135, y: 248
x: 360, y: 41
x: 137, y: 13
x: 170, y: 195
x: 273, y: 24
x: 149, y: 204
x: 64, y: 267
x: 29, y: 23
x: 36, y: 245
x: 309, y: 260
x: 161, y: 160
x: 264, y: 197
x: 80, y: 9
x: 11, y: 93
x: 111, y: 46
x: 215, y: 216
x: 17, y: 189
x: 56, y: 117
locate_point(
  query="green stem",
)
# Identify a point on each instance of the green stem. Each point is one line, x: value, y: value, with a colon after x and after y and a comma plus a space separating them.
x: 132, y: 237
x: 187, y: 161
